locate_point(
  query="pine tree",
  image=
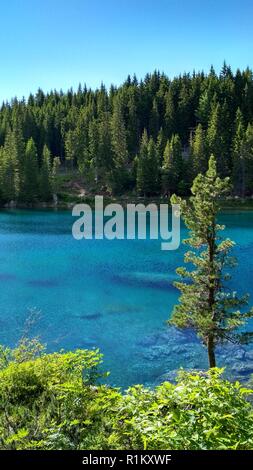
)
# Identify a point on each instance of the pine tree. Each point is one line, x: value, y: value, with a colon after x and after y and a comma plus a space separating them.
x: 93, y: 148
x: 249, y: 160
x: 1, y: 174
x: 10, y: 169
x: 29, y: 188
x: 72, y: 147
x: 204, y: 108
x: 45, y: 177
x: 119, y: 149
x: 141, y: 162
x: 168, y: 176
x: 184, y: 111
x: 133, y: 131
x: 198, y: 151
x: 206, y: 305
x: 147, y: 167
x: 152, y: 182
x: 154, y: 121
x: 160, y: 145
x: 19, y: 142
x: 55, y: 169
x: 104, y: 157
x: 170, y: 114
x: 172, y: 168
x: 215, y: 139
x: 238, y: 156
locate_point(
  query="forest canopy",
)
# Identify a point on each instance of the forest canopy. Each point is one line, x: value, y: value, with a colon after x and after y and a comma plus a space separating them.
x: 149, y: 137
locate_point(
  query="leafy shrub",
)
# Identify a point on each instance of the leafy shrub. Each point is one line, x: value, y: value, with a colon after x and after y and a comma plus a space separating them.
x: 201, y: 411
x: 51, y: 401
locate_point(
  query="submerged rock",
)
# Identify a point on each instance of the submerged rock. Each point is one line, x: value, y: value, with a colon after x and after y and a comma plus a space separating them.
x: 90, y: 316
x: 149, y: 279
x: 44, y: 283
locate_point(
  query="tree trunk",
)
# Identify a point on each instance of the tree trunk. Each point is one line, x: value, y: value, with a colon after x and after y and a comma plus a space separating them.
x: 211, y: 351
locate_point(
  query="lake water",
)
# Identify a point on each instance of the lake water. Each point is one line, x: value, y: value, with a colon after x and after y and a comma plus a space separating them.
x: 114, y: 295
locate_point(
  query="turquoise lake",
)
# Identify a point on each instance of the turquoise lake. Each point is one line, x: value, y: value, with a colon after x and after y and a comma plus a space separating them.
x: 111, y: 295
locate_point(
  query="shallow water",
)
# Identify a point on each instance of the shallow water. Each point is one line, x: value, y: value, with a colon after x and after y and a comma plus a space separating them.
x: 114, y: 295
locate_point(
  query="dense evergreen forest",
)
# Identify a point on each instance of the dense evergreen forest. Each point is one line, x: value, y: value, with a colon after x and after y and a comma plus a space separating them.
x: 148, y: 137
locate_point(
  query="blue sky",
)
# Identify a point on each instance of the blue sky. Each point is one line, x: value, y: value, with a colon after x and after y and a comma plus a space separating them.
x: 59, y: 43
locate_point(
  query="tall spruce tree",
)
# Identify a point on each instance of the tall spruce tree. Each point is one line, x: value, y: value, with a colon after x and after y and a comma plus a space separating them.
x: 154, y: 121
x: 238, y: 156
x: 249, y: 160
x: 160, y: 145
x: 94, y: 148
x: 147, y: 167
x: 215, y: 138
x: 45, y: 177
x: 10, y: 176
x: 206, y: 304
x: 104, y: 158
x: 29, y: 188
x: 170, y: 114
x: 172, y: 168
x: 119, y: 173
x: 141, y: 162
x: 198, y: 152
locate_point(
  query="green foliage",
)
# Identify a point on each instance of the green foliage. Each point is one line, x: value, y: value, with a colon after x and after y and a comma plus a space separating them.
x: 45, y: 178
x: 42, y: 399
x: 30, y: 189
x: 119, y: 174
x: 206, y: 303
x: 242, y: 153
x: 200, y: 412
x: 147, y: 167
x: 9, y: 169
x: 173, y: 165
x: 198, y: 152
x: 99, y: 132
x: 52, y: 401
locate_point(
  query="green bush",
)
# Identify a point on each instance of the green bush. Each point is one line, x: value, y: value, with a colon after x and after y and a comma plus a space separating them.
x: 54, y: 401
x: 201, y: 411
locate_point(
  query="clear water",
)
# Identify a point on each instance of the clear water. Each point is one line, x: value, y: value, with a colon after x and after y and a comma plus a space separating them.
x: 114, y: 295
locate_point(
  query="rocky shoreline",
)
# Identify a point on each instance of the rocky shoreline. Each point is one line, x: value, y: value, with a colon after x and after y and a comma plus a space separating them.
x: 172, y: 346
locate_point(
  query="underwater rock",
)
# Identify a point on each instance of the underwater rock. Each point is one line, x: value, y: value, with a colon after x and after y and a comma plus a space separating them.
x: 43, y: 283
x: 156, y: 353
x: 249, y: 355
x: 242, y: 368
x: 88, y: 343
x: 7, y: 277
x: 149, y: 340
x: 119, y: 309
x: 90, y: 316
x: 148, y: 279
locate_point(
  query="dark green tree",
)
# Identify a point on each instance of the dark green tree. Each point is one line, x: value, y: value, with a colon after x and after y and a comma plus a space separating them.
x: 147, y: 167
x: 45, y: 177
x: 172, y: 168
x: 141, y: 163
x: 198, y: 151
x: 206, y: 304
x: 9, y: 169
x: 30, y: 186
x: 119, y: 175
x: 216, y: 139
x: 238, y: 156
x: 154, y: 121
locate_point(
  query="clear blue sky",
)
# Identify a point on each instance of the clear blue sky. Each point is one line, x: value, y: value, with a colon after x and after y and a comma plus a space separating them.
x: 59, y: 43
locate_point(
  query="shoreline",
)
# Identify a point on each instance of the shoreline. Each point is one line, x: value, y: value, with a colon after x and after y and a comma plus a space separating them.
x: 232, y: 204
